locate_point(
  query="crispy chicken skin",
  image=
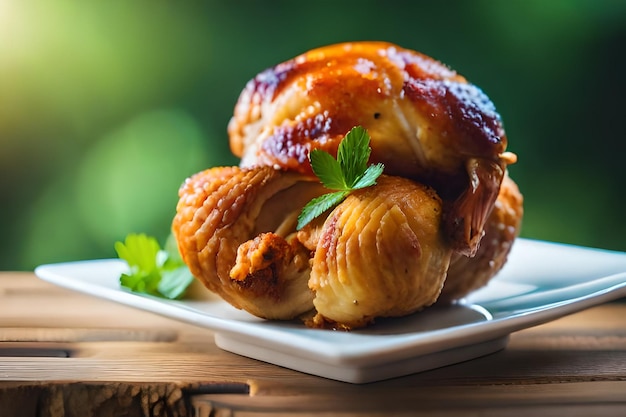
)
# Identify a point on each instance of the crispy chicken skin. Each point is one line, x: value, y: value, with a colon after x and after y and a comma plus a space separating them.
x: 425, y: 120
x: 438, y: 224
x: 227, y: 227
x: 381, y: 253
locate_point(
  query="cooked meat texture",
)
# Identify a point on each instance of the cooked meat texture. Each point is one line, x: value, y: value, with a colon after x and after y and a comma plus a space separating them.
x: 503, y: 226
x: 381, y: 253
x: 438, y: 224
x: 426, y: 123
x: 230, y: 226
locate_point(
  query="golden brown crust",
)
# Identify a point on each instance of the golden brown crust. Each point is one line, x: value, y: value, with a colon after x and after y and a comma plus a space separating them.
x: 380, y: 254
x: 425, y: 120
x: 444, y: 207
x: 313, y: 100
x: 263, y: 262
x: 219, y: 211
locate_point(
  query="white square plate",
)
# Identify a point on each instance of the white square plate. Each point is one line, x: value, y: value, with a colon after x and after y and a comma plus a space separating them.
x: 541, y: 281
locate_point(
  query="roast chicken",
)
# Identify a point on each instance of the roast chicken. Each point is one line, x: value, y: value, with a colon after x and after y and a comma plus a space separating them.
x: 437, y: 225
x: 426, y: 123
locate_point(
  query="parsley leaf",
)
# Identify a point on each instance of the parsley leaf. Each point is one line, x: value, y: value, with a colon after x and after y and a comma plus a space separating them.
x: 369, y: 177
x: 319, y: 205
x: 152, y: 270
x: 353, y: 154
x: 327, y: 169
x: 346, y: 173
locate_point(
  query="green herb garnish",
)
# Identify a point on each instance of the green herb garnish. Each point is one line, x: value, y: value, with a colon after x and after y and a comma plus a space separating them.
x: 154, y: 271
x: 345, y: 174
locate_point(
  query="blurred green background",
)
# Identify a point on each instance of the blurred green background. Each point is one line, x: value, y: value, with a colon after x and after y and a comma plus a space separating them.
x: 106, y: 107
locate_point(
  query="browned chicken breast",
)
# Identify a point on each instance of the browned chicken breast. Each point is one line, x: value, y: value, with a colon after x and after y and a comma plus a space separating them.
x: 425, y: 120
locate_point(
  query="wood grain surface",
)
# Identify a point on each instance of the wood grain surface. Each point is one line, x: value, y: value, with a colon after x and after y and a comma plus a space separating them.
x: 67, y: 354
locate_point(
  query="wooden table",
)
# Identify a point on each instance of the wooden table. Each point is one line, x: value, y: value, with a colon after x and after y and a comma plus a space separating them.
x: 67, y: 354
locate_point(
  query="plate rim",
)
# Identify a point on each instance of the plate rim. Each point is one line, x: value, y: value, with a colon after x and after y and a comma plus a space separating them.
x: 356, y: 355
